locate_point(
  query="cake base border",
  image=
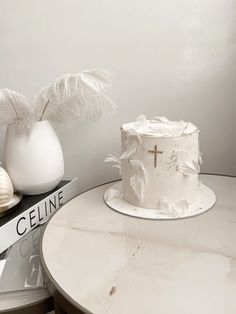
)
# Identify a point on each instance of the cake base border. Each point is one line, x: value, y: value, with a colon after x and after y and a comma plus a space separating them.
x: 206, y: 200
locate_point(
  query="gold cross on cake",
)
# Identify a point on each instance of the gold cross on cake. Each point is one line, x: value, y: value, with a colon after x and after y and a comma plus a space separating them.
x: 155, y: 152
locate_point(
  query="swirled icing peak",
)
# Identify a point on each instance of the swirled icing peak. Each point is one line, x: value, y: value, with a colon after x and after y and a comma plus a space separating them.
x: 160, y: 127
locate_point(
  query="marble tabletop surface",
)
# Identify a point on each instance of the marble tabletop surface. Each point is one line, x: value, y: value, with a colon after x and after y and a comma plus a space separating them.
x: 106, y: 262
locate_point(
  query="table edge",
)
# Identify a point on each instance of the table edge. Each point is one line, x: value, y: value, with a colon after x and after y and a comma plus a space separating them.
x: 45, y: 303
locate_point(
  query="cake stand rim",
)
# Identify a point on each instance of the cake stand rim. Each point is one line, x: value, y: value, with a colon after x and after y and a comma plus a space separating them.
x: 154, y: 212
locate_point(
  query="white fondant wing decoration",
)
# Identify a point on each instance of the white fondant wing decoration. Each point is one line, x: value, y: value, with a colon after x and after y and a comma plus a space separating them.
x: 141, y: 121
x: 114, y: 158
x: 112, y: 193
x: 139, y: 179
x: 163, y: 205
x: 178, y: 209
x: 162, y: 120
x: 200, y: 161
x: 185, y: 164
x: 181, y: 207
x: 141, y: 118
x: 170, y: 127
x: 188, y: 167
x: 132, y: 144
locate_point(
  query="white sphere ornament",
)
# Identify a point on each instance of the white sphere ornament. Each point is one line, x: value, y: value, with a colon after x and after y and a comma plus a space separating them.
x: 6, y: 187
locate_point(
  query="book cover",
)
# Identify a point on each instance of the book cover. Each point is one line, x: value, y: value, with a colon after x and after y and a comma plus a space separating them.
x: 32, y: 211
x: 20, y: 267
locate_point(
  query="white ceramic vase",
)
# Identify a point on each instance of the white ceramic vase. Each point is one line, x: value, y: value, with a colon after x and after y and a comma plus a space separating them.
x: 34, y: 162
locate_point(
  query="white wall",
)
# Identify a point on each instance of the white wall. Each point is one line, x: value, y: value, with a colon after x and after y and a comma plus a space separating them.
x: 171, y: 58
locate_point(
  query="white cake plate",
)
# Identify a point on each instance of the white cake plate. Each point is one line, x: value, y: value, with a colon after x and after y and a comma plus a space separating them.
x: 206, y: 199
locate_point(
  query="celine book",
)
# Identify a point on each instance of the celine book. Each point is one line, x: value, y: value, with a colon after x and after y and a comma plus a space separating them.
x: 33, y: 211
x: 23, y: 255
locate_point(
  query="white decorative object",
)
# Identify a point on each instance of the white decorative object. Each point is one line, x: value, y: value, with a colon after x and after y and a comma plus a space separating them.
x: 74, y: 97
x: 34, y: 161
x: 6, y: 187
x: 139, y: 178
x: 16, y: 109
x: 37, y: 167
x: 114, y: 158
x: 70, y: 98
x: 185, y: 163
x: 113, y: 193
x: 132, y: 143
x: 159, y: 167
x: 160, y: 142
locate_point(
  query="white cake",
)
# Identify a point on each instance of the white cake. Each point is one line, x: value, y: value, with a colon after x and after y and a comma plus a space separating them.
x: 159, y: 163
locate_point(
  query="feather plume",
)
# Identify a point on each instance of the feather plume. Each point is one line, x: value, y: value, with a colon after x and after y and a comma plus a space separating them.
x: 95, y: 79
x: 74, y: 97
x: 15, y: 108
x: 139, y: 179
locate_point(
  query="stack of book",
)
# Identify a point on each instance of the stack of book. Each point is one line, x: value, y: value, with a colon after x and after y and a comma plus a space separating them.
x: 20, y: 267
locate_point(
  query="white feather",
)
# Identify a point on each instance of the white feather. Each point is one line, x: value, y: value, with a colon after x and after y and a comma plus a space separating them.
x: 168, y: 127
x: 112, y: 193
x: 188, y: 167
x: 74, y: 97
x: 132, y: 143
x: 114, y: 158
x: 15, y: 108
x: 96, y: 79
x: 185, y: 164
x: 163, y: 205
x: 181, y: 207
x: 139, y: 179
x: 178, y: 209
x: 162, y: 120
x: 141, y: 121
x: 200, y: 160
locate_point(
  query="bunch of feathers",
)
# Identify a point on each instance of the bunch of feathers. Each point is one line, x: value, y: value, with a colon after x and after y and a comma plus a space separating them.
x: 71, y: 98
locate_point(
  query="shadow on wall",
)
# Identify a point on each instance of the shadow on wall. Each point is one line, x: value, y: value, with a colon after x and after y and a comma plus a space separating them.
x: 173, y: 59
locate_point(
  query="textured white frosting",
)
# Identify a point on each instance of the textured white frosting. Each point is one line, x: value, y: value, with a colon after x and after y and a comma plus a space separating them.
x: 160, y: 127
x: 170, y: 179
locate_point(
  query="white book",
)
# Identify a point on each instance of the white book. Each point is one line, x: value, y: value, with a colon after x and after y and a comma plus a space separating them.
x: 33, y: 211
x: 24, y: 256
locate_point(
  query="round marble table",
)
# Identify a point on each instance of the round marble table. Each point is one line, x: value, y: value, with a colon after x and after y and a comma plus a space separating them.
x: 99, y: 261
